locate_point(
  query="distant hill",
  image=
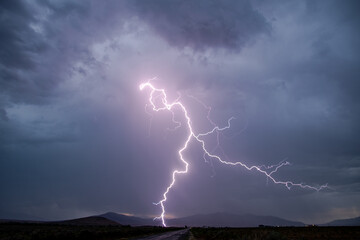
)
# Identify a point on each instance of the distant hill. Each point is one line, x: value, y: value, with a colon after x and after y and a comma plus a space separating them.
x: 199, y: 220
x: 22, y: 216
x: 85, y: 221
x: 129, y: 220
x: 344, y: 222
x: 20, y: 221
x: 231, y: 220
x: 211, y: 220
x: 89, y: 221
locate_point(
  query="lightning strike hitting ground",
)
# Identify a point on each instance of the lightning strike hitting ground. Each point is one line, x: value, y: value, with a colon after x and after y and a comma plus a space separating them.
x: 155, y: 94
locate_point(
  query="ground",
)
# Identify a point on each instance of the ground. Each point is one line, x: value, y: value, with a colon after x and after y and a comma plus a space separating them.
x: 278, y: 233
x: 45, y: 231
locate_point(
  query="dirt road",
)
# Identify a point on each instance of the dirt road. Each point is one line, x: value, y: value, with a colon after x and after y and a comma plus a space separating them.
x: 176, y: 235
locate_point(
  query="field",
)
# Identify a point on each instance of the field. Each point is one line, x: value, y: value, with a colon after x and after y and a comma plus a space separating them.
x: 41, y: 231
x: 278, y: 233
x: 45, y: 231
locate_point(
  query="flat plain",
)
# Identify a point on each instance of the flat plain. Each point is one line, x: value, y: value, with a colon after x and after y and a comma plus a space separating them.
x: 45, y: 231
x: 278, y: 233
x: 53, y: 231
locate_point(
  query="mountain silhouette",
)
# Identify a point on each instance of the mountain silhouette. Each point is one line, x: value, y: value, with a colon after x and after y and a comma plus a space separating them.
x: 231, y: 220
x: 344, y: 222
x: 198, y: 220
x: 129, y: 220
x: 210, y: 220
x: 89, y: 221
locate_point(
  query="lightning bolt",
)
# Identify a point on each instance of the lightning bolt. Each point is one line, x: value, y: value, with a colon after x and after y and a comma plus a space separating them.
x: 157, y: 94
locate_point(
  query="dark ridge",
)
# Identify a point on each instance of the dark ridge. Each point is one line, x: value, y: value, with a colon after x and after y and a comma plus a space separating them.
x: 89, y: 221
x: 231, y: 220
x: 344, y: 222
x: 210, y: 220
x: 130, y: 220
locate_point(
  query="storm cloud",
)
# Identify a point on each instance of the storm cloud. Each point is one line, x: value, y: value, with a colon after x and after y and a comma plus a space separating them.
x: 203, y: 24
x: 75, y: 139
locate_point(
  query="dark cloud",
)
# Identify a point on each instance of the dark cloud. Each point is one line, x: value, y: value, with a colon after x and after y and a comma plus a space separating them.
x: 3, y: 115
x: 203, y: 24
x: 73, y: 130
x: 17, y: 39
x: 24, y: 48
x: 40, y: 43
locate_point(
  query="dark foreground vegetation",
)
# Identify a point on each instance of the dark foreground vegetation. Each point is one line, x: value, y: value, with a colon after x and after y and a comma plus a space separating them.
x: 47, y: 231
x: 42, y: 231
x: 278, y: 233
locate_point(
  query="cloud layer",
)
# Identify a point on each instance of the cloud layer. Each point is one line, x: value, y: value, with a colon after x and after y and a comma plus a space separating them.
x: 75, y: 139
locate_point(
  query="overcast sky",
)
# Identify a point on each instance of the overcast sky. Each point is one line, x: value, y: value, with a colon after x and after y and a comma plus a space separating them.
x: 75, y: 139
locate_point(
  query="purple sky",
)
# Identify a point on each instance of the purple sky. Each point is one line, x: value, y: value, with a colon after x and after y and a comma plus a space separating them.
x: 75, y: 137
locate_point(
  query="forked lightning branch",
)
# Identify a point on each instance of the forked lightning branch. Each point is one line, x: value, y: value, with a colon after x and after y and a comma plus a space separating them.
x: 159, y: 102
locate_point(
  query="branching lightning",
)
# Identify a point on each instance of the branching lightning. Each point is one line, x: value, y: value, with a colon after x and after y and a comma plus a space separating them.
x: 157, y: 94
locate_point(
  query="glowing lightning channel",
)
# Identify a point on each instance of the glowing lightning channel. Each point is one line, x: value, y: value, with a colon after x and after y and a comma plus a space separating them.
x: 157, y: 93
